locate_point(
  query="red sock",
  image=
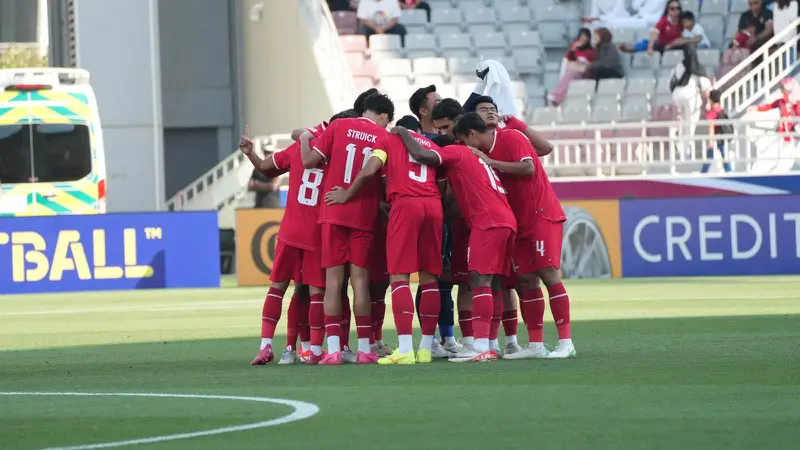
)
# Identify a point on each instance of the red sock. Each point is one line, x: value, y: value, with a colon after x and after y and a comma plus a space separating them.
x: 378, y: 314
x: 559, y: 306
x: 430, y: 303
x: 271, y: 312
x: 497, y: 315
x: 302, y: 319
x: 346, y: 315
x: 482, y: 308
x: 402, y: 308
x: 316, y: 319
x: 333, y: 327
x: 532, y: 304
x: 465, y: 323
x: 293, y: 321
x: 510, y: 320
x: 364, y: 327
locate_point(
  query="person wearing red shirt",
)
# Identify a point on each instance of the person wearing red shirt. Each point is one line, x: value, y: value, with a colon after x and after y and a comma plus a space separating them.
x: 347, y: 229
x: 298, y: 252
x: 788, y: 104
x: 665, y: 35
x: 481, y: 199
x: 537, y: 249
x: 414, y: 239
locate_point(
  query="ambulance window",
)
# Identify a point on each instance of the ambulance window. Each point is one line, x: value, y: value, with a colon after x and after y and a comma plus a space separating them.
x: 61, y: 152
x: 15, y: 154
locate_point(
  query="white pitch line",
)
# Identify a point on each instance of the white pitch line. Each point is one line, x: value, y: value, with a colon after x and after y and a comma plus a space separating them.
x: 302, y: 410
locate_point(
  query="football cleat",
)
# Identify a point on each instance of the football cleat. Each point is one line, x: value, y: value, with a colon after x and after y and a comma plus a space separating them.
x: 511, y: 348
x: 315, y: 359
x: 438, y: 351
x: 532, y: 351
x: 453, y: 347
x: 348, y: 356
x: 289, y: 356
x: 264, y: 356
x: 563, y: 350
x: 331, y: 359
x: 367, y: 358
x: 474, y: 356
x: 382, y: 349
x: 424, y: 356
x: 398, y: 358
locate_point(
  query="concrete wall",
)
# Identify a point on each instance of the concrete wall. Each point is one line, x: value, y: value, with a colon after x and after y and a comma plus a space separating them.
x: 18, y: 20
x: 281, y: 86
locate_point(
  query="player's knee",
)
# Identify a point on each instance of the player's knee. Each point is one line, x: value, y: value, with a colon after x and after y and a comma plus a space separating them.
x: 527, y: 282
x: 427, y: 278
x: 477, y: 280
x: 549, y: 276
x: 280, y: 285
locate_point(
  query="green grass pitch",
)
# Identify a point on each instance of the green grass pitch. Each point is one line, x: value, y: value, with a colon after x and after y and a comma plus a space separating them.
x: 697, y: 363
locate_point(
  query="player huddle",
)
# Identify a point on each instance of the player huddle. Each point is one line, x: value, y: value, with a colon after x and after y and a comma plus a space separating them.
x: 372, y: 206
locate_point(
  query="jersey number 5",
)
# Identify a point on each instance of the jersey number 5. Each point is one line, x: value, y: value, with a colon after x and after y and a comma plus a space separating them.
x: 351, y: 158
x: 308, y: 194
x: 493, y: 178
x: 422, y: 176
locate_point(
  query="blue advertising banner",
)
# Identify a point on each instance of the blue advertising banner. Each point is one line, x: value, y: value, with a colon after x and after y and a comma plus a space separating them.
x: 753, y: 235
x: 109, y: 251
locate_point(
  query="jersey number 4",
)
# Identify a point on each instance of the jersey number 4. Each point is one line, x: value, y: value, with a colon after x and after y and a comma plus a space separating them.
x: 351, y: 159
x: 493, y: 178
x: 308, y: 194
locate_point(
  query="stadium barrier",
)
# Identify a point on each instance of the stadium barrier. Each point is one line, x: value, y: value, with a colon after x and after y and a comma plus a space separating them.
x: 109, y: 252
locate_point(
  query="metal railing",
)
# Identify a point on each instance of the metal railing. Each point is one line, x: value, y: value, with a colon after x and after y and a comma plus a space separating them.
x: 745, y: 84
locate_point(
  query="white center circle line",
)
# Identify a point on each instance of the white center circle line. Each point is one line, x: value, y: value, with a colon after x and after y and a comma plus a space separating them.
x: 302, y: 410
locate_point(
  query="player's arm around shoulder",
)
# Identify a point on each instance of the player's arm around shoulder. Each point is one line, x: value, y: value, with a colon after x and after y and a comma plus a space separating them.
x: 415, y: 149
x: 313, y: 157
x: 339, y: 195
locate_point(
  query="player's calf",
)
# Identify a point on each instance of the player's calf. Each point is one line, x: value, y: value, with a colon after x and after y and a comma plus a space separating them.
x: 359, y: 279
x: 270, y: 316
x: 559, y: 307
x: 429, y: 306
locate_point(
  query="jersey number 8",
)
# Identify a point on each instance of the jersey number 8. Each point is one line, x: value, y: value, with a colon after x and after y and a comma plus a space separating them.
x: 308, y: 194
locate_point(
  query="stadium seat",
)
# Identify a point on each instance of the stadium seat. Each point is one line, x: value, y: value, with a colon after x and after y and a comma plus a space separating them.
x: 353, y: 43
x: 385, y: 42
x: 492, y: 53
x: 528, y: 60
x: 482, y: 28
x: 546, y: 116
x: 661, y: 99
x: 733, y: 27
x: 477, y: 16
x: 394, y: 82
x: 634, y: 109
x: 421, y: 42
x: 671, y: 58
x: 414, y: 17
x: 463, y: 89
x: 469, y: 5
x: 525, y: 39
x: 508, y: 4
x: 513, y: 15
x: 450, y: 17
x: 611, y: 87
x: 455, y: 41
x: 691, y: 5
x: 456, y: 53
x: 345, y: 21
x: 715, y: 29
x: 461, y: 65
x: 662, y: 86
x: 605, y: 111
x: 738, y: 6
x: 645, y: 61
x: 394, y: 67
x: 364, y: 82
x: 575, y: 113
x: 427, y: 80
x: 360, y: 66
x: 554, y: 34
x: 510, y: 64
x: 429, y: 66
x: 581, y: 89
x: 518, y: 88
x: 640, y: 86
x: 381, y: 55
x: 490, y: 41
x: 709, y: 58
x: 623, y: 35
x: 714, y: 7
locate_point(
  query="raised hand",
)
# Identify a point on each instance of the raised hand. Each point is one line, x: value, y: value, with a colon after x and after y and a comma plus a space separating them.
x: 245, y: 143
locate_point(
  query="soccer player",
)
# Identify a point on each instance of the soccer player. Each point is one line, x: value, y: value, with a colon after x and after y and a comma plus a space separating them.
x: 482, y: 201
x: 421, y: 104
x: 347, y: 230
x: 537, y: 250
x: 444, y: 116
x: 413, y: 243
x: 298, y: 252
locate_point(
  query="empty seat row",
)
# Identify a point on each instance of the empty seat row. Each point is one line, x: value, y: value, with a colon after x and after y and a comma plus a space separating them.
x: 603, y: 112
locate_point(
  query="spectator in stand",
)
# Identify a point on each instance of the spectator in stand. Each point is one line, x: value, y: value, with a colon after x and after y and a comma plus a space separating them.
x: 611, y: 14
x: 715, y: 112
x: 416, y: 4
x: 667, y: 31
x: 746, y: 36
x: 761, y: 16
x: 608, y: 61
x: 379, y: 17
x: 688, y: 82
x: 342, y: 5
x: 782, y: 158
x: 693, y: 32
x: 784, y: 13
x: 648, y: 11
x: 574, y: 65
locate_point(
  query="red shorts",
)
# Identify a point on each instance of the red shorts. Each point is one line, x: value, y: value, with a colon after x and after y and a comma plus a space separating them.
x: 378, y: 274
x: 415, y: 236
x: 298, y: 265
x: 459, y: 271
x: 542, y: 249
x: 490, y: 251
x: 342, y: 244
x: 510, y: 281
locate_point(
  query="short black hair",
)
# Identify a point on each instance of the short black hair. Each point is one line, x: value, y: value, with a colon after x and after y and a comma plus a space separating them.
x: 467, y: 122
x: 358, y: 105
x: 715, y: 96
x: 484, y: 99
x: 448, y: 108
x: 409, y: 123
x: 418, y: 98
x: 346, y: 114
x: 687, y: 15
x: 381, y: 104
x: 443, y: 140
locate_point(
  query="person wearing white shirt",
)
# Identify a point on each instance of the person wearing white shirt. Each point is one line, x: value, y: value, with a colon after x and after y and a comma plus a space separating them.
x: 689, y: 82
x: 379, y: 17
x: 693, y: 32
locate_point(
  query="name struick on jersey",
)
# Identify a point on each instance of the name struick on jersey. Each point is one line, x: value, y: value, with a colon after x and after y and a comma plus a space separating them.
x: 362, y: 136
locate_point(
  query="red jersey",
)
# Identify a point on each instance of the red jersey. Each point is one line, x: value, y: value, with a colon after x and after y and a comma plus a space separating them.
x: 668, y: 31
x: 347, y: 144
x: 404, y: 175
x: 530, y: 195
x: 479, y: 193
x: 299, y: 226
